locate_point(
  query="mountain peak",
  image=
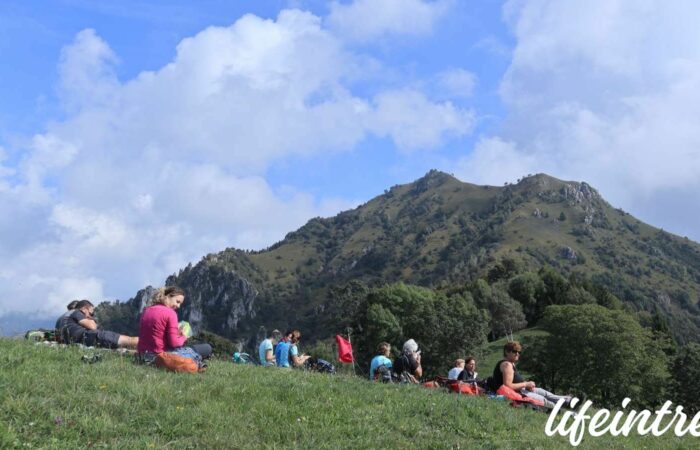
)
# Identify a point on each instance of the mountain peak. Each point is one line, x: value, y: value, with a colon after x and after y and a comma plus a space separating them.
x: 434, y: 178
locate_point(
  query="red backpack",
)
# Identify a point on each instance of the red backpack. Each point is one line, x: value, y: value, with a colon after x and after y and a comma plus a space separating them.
x: 464, y: 388
x: 176, y: 363
x: 517, y: 398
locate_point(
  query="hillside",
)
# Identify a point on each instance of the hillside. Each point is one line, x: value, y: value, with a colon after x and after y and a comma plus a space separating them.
x: 51, y: 400
x: 439, y: 232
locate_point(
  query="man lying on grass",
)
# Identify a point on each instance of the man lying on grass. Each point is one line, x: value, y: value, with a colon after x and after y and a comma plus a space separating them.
x: 80, y: 327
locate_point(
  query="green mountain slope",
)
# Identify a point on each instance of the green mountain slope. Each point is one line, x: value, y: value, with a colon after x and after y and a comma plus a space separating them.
x: 439, y: 232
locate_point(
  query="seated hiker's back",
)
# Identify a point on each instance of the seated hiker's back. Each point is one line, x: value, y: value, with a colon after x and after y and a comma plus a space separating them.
x: 407, y: 367
x: 282, y: 353
x: 72, y: 325
x: 381, y: 360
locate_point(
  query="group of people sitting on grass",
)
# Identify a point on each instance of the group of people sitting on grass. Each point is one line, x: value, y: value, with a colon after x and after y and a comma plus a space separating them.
x: 281, y: 351
x: 407, y: 369
x: 160, y: 332
x: 159, y: 329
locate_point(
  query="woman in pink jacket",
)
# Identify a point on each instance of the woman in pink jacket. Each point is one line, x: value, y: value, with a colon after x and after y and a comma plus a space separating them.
x: 159, y: 331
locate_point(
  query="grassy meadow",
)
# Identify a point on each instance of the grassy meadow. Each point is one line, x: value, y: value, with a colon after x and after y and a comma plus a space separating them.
x: 50, y: 399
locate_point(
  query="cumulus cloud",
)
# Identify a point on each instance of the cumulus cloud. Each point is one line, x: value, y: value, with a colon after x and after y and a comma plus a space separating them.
x: 147, y: 174
x: 365, y: 20
x: 415, y: 122
x: 602, y: 91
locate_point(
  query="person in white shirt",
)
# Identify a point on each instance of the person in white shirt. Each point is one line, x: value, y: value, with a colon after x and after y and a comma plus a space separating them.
x: 456, y: 370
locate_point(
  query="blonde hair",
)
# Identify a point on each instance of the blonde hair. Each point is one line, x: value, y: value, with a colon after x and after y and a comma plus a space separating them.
x: 164, y: 292
x: 459, y: 361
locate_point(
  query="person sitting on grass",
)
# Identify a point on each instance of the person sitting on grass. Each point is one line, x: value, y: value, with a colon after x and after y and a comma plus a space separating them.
x: 266, y: 352
x: 282, y: 350
x: 80, y: 327
x: 381, y: 360
x: 456, y: 370
x: 287, y: 351
x: 469, y: 375
x: 507, y: 375
x: 297, y: 359
x: 70, y: 308
x: 407, y: 366
x: 159, y: 331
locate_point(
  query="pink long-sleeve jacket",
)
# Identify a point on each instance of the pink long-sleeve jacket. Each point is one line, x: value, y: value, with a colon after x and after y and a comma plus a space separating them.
x: 158, y: 331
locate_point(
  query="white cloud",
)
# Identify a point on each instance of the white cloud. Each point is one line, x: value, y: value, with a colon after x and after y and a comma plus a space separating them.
x: 87, y: 73
x: 494, y: 161
x: 607, y: 92
x: 148, y: 174
x: 414, y: 122
x: 365, y: 20
x: 457, y: 82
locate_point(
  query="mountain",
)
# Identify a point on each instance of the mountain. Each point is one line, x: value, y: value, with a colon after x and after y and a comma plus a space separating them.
x: 440, y: 232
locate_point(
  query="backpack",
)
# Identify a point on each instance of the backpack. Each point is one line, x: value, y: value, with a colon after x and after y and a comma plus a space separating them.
x: 402, y: 374
x: 490, y: 384
x: 383, y: 373
x: 243, y: 358
x: 177, y: 363
x: 319, y: 365
x: 465, y: 388
x: 40, y: 335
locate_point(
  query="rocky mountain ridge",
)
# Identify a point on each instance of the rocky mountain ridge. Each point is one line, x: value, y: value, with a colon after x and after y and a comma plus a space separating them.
x: 437, y: 232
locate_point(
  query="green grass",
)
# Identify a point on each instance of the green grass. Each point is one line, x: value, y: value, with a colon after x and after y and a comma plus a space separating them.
x: 50, y: 399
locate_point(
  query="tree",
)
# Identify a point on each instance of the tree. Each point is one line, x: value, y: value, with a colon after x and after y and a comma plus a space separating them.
x: 445, y: 327
x: 506, y: 314
x: 603, y: 353
x: 685, y: 370
x: 525, y: 288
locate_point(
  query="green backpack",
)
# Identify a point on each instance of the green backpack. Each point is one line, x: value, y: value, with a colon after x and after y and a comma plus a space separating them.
x: 41, y: 335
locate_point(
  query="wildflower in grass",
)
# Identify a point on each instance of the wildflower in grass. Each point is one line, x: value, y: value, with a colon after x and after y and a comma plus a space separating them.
x: 58, y: 420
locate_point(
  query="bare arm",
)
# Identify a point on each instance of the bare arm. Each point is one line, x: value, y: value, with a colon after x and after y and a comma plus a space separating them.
x: 88, y: 323
x: 269, y: 356
x: 508, y: 373
x: 299, y: 360
x: 419, y: 370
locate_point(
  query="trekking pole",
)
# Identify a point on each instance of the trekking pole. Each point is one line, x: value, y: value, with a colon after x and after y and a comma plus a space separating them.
x: 349, y: 330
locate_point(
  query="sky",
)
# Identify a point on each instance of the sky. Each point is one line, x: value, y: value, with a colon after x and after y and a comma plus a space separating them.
x: 136, y: 137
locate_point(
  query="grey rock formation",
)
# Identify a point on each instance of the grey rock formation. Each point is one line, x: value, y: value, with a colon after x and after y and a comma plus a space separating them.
x: 218, y: 298
x: 569, y: 253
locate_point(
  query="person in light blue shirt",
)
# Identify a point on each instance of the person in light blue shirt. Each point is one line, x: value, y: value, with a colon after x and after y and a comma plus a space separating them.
x: 382, y: 359
x: 265, y: 351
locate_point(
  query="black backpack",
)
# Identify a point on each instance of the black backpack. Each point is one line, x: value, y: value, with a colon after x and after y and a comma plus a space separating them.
x: 490, y: 384
x: 319, y: 365
x: 402, y: 369
x: 383, y: 373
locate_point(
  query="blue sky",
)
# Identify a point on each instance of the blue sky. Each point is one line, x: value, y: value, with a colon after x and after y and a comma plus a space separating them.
x: 136, y: 137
